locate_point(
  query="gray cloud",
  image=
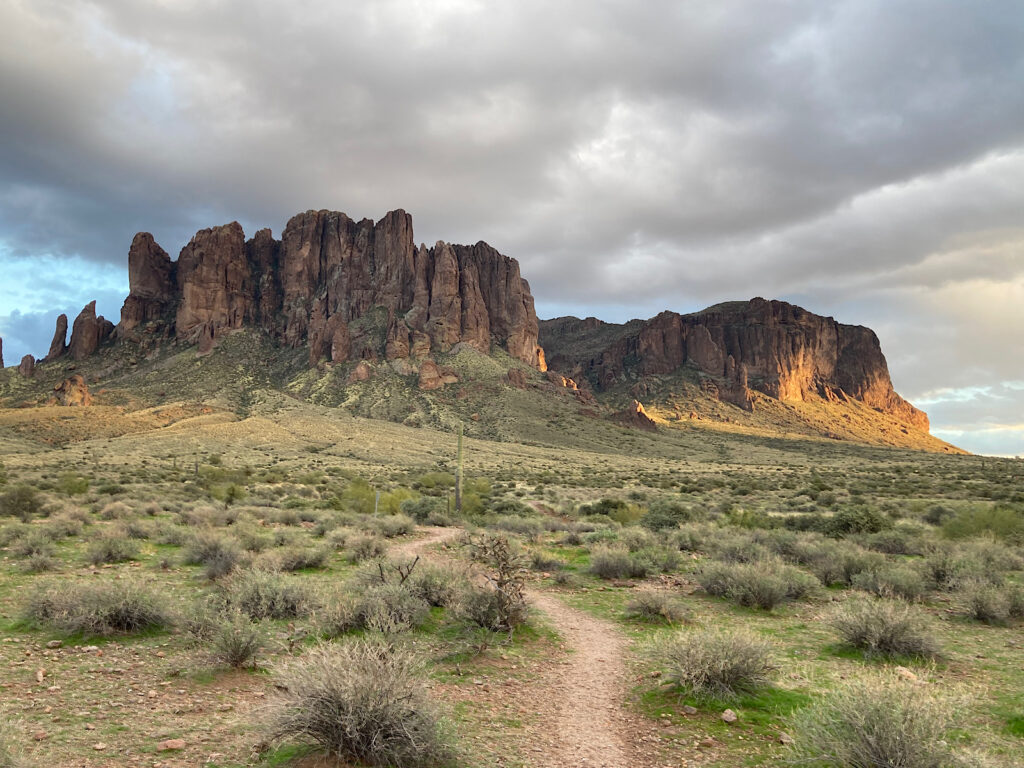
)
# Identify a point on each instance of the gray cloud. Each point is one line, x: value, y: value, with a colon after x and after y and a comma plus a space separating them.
x: 862, y: 157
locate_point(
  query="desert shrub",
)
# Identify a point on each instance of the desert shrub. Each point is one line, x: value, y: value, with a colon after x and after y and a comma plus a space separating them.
x: 986, y: 602
x: 614, y: 563
x: 1002, y: 521
x: 171, y: 535
x: 361, y: 702
x: 40, y: 563
x: 338, y: 615
x: 234, y: 639
x: 34, y: 544
x: 894, y: 542
x: 690, y: 538
x: 739, y: 548
x: 892, y: 581
x: 22, y: 502
x: 875, y: 722
x: 115, y: 510
x: 110, y: 547
x: 635, y: 539
x: 664, y: 514
x: 218, y: 554
x: 885, y: 627
x: 524, y: 526
x: 97, y: 608
x: 858, y: 520
x: 438, y: 585
x: 758, y: 585
x: 501, y: 603
x: 396, y: 525
x: 65, y: 525
x: 297, y: 558
x: 72, y: 484
x: 656, y: 606
x: 268, y: 595
x: 391, y: 608
x: 937, y: 514
x: 542, y: 561
x: 487, y: 608
x: 423, y: 508
x: 360, y: 548
x: 139, y: 530
x: 151, y: 509
x: 714, y: 663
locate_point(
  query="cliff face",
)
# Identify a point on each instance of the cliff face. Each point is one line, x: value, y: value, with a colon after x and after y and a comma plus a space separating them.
x: 773, y: 347
x: 326, y: 273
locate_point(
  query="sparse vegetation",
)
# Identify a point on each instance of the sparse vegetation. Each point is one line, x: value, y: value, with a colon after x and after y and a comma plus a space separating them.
x: 885, y: 627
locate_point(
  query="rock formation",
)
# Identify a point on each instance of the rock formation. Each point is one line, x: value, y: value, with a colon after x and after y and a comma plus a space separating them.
x: 151, y: 279
x: 324, y: 284
x: 27, y: 366
x: 772, y: 347
x: 88, y: 332
x: 635, y: 416
x: 73, y: 391
x: 60, y: 336
x: 1, y: 353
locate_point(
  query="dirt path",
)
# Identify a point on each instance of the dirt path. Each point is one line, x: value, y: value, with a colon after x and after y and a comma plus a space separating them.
x: 579, y: 702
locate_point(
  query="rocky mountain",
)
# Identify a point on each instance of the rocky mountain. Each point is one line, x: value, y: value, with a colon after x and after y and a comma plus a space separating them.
x: 335, y: 290
x: 736, y: 348
x: 346, y: 290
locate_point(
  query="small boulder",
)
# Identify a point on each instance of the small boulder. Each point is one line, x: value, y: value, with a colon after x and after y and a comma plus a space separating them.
x: 170, y: 744
x: 73, y: 391
x: 728, y: 716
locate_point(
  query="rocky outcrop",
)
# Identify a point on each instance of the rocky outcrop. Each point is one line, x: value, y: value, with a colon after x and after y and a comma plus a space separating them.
x: 73, y: 391
x: 152, y: 283
x: 635, y: 416
x: 27, y: 366
x: 60, y: 336
x: 88, y: 332
x: 434, y: 376
x: 325, y: 283
x: 772, y: 347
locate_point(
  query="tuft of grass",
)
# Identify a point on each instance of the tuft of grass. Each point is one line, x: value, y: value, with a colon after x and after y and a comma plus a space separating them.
x: 885, y: 627
x: 359, y: 701
x: 715, y: 663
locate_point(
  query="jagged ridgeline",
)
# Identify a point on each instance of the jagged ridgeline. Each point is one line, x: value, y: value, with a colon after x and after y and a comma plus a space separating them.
x: 362, y: 292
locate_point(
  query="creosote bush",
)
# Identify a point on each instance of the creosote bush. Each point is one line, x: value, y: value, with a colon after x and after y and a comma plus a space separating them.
x: 111, y: 547
x: 359, y: 701
x: 886, y: 627
x: 764, y: 584
x: 103, y: 608
x: 876, y: 722
x: 230, y: 637
x: 268, y: 595
x: 22, y: 502
x: 657, y: 606
x: 712, y: 663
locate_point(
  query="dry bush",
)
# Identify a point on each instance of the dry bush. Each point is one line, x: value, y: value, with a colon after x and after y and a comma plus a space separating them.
x: 892, y: 581
x: 657, y: 606
x: 111, y: 547
x: 887, y: 627
x: 116, y: 510
x: 362, y: 548
x: 757, y: 585
x: 228, y: 635
x: 712, y: 663
x: 268, y: 595
x: 359, y: 701
x: 103, y: 608
x: 876, y: 722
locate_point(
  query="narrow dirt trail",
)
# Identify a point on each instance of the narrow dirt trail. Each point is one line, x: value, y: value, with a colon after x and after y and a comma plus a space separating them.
x: 579, y: 702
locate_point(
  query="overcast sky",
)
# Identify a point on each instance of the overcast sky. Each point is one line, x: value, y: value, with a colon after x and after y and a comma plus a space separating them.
x: 863, y: 158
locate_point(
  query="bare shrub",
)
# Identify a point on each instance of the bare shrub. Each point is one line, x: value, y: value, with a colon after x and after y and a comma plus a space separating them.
x: 892, y: 581
x: 886, y: 627
x: 711, y: 663
x: 359, y: 701
x: 505, y: 608
x: 229, y: 635
x: 360, y: 548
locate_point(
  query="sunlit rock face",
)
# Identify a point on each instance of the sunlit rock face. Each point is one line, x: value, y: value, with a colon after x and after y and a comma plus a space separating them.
x: 345, y: 289
x: 772, y: 347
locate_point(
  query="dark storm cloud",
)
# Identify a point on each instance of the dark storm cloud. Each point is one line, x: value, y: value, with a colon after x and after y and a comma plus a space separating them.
x: 859, y: 156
